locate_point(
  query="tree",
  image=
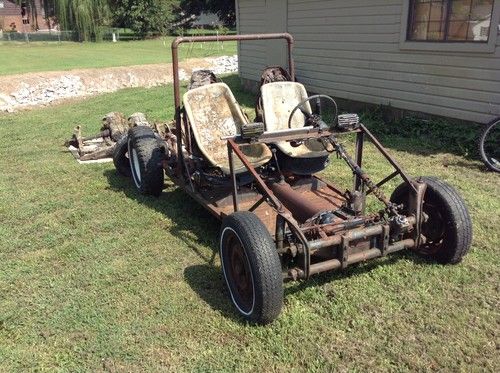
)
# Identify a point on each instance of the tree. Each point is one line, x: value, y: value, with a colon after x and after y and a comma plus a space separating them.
x: 144, y: 16
x: 87, y: 18
x: 223, y: 8
x: 84, y: 17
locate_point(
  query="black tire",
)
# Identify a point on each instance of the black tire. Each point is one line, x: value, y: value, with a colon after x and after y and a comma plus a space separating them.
x: 247, y: 251
x: 120, y: 157
x: 302, y: 166
x: 492, y: 161
x: 449, y: 228
x: 145, y: 156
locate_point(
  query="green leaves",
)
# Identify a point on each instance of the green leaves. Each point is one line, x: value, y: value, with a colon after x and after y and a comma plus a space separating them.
x: 145, y: 17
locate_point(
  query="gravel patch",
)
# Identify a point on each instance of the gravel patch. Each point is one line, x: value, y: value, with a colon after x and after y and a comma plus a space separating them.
x: 38, y: 89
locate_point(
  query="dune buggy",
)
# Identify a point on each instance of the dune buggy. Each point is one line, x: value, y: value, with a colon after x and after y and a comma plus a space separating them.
x: 280, y: 219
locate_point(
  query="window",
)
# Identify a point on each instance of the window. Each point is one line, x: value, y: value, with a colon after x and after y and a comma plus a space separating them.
x: 449, y: 20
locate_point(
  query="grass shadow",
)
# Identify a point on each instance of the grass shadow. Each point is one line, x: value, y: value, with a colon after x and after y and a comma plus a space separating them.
x: 353, y: 270
x: 207, y: 281
x: 426, y: 136
x: 196, y: 227
x: 187, y: 215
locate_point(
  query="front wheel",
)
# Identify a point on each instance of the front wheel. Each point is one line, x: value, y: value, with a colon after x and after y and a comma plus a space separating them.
x: 447, y: 225
x: 251, y: 267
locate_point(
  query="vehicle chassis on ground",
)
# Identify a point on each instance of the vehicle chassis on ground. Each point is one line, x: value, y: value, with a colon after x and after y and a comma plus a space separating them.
x: 287, y: 226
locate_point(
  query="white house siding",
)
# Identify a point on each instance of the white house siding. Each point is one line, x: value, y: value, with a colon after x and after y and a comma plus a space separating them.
x: 252, y: 54
x: 350, y: 49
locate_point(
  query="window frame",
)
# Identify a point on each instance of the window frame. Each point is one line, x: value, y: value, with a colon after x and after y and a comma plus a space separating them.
x: 450, y: 46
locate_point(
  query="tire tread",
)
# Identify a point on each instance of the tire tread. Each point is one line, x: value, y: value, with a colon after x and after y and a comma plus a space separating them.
x: 120, y: 160
x: 265, y: 263
x: 150, y: 156
x: 457, y: 212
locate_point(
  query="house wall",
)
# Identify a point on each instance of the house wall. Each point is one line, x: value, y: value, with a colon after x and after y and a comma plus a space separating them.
x: 10, y: 15
x: 354, y: 50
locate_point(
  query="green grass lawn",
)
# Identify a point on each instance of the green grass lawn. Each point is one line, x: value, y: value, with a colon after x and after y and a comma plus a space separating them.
x: 94, y: 276
x: 22, y: 58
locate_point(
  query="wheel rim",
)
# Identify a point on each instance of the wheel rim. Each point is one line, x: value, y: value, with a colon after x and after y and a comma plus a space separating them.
x: 134, y: 165
x: 434, y: 228
x: 237, y: 272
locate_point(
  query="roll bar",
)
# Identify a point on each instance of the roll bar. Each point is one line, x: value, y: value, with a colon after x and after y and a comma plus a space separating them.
x: 198, y: 39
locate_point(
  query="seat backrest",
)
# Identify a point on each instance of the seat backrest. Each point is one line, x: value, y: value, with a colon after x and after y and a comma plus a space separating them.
x: 213, y: 113
x: 278, y: 101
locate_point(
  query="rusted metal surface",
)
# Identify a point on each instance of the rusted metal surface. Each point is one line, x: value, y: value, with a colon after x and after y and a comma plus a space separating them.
x: 387, y: 156
x: 352, y: 235
x: 311, y: 220
x: 101, y: 145
x: 262, y: 186
x: 233, y: 178
x: 304, y: 203
x: 360, y: 257
x: 415, y: 205
x: 360, y: 139
x: 291, y: 134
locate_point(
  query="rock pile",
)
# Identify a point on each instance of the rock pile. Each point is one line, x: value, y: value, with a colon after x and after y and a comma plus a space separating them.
x: 225, y: 65
x: 43, y: 88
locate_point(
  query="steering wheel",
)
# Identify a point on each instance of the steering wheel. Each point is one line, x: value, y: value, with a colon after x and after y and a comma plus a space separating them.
x: 316, y: 118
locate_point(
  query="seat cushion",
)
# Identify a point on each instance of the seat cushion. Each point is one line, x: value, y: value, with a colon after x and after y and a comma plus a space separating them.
x: 213, y: 113
x: 278, y: 101
x: 257, y: 154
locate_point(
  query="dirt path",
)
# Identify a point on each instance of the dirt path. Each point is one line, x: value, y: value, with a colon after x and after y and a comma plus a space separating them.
x: 43, y: 88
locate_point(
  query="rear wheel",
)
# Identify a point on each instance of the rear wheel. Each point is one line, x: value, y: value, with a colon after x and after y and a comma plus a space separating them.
x: 251, y: 267
x: 447, y: 225
x: 120, y: 157
x: 145, y: 156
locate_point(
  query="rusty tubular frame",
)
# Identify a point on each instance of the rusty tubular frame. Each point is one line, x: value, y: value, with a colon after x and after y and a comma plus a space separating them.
x: 360, y: 139
x: 197, y: 39
x: 387, y: 156
x: 352, y: 235
x: 233, y: 148
x: 332, y: 264
x: 338, y: 240
x: 284, y: 217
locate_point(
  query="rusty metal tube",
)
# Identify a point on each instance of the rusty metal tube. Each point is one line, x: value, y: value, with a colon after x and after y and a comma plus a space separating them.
x: 387, y: 156
x: 301, y: 208
x: 360, y: 257
x: 355, y: 234
x: 179, y: 40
